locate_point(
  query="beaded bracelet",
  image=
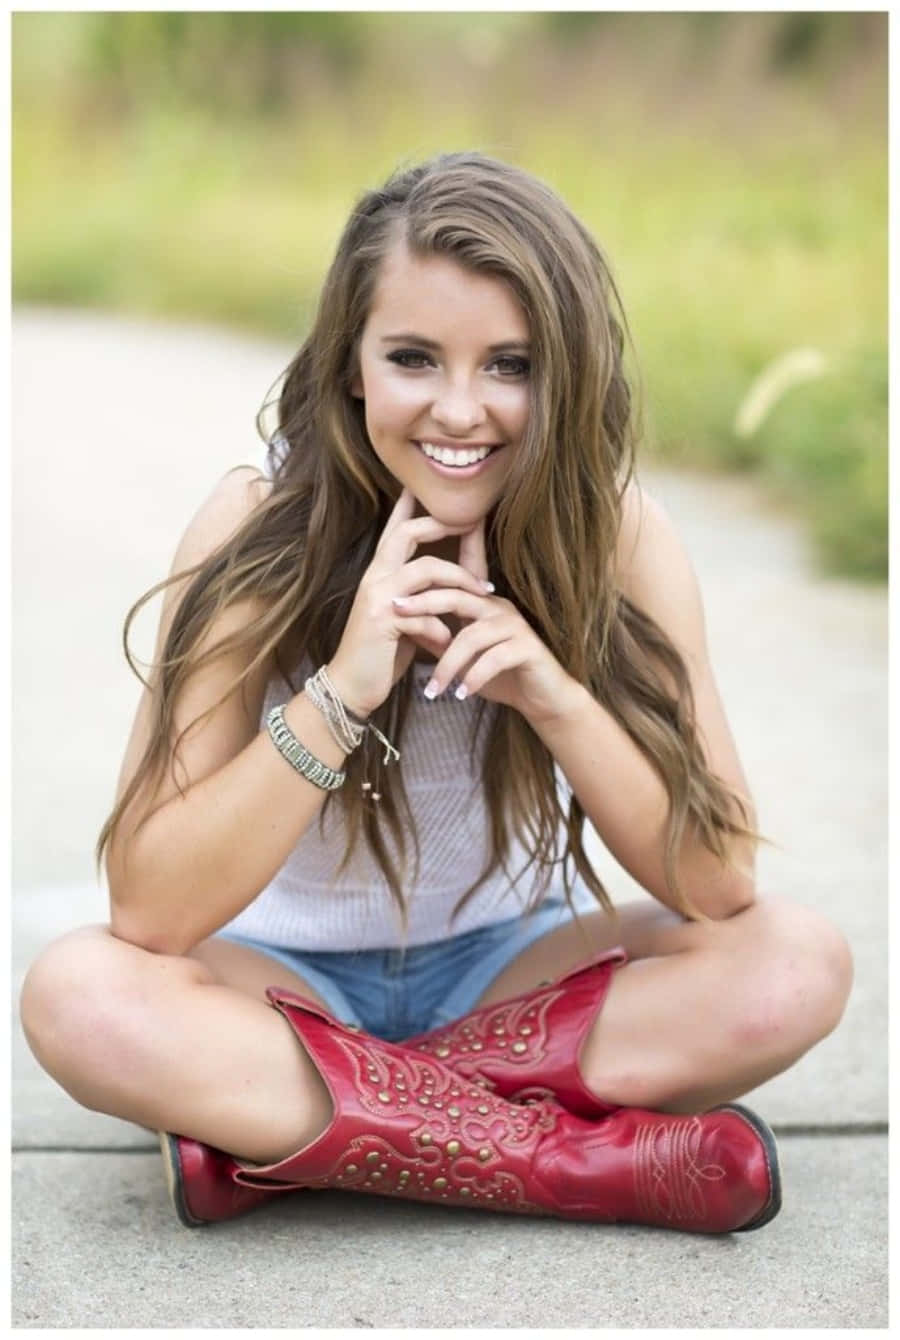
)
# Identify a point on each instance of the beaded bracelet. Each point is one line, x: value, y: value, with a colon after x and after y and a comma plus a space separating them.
x: 300, y: 759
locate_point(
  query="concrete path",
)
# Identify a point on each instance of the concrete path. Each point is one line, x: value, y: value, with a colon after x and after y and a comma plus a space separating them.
x: 120, y: 429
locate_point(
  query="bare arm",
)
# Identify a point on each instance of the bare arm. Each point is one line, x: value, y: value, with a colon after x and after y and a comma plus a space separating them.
x: 619, y: 790
x: 202, y: 856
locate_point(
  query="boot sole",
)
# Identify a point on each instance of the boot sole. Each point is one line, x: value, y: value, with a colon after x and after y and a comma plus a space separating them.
x: 175, y: 1180
x: 773, y: 1204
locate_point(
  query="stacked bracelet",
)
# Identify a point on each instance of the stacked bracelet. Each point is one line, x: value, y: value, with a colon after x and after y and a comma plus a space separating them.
x: 310, y: 767
x: 348, y: 731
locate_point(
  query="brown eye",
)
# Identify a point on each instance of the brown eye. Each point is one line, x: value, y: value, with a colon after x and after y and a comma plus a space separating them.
x: 509, y: 365
x: 409, y: 358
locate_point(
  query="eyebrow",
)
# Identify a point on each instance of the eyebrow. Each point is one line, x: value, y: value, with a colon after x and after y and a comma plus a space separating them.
x: 410, y: 337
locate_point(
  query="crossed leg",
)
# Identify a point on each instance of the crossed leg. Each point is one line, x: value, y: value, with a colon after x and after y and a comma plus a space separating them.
x: 703, y: 1011
x: 700, y: 1014
x: 185, y: 1044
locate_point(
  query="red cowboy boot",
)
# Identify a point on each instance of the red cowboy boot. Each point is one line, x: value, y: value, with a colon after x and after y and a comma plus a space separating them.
x: 527, y: 1047
x: 201, y: 1182
x: 405, y: 1125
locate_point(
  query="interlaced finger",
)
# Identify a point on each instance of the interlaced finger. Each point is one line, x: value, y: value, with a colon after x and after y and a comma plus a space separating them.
x: 445, y: 600
x: 476, y: 640
x: 427, y: 571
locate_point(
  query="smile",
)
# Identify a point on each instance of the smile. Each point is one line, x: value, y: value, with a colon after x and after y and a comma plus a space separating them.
x: 456, y: 460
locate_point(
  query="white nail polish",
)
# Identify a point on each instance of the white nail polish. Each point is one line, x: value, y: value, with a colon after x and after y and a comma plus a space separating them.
x: 488, y: 586
x: 461, y: 692
x: 430, y: 690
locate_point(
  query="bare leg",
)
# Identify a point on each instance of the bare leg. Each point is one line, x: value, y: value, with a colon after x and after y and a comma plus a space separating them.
x: 702, y: 1012
x: 165, y: 1042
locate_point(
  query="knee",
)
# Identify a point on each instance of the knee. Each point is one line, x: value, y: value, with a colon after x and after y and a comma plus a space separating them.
x: 82, y: 997
x: 56, y: 986
x: 803, y: 978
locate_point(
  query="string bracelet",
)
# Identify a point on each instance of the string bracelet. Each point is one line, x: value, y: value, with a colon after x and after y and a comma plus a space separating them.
x: 300, y: 759
x: 347, y: 729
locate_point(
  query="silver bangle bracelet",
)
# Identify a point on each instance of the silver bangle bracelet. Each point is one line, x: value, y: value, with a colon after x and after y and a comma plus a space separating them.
x: 300, y: 759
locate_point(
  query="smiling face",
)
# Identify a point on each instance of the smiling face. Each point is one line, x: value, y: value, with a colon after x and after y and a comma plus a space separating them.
x: 444, y: 371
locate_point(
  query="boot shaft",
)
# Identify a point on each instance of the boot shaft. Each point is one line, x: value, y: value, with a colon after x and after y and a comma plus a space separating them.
x: 528, y: 1047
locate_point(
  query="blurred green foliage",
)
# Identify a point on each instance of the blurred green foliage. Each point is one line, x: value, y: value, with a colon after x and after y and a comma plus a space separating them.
x: 201, y: 164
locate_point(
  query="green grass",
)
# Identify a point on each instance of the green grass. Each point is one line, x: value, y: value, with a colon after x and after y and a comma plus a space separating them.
x: 730, y: 247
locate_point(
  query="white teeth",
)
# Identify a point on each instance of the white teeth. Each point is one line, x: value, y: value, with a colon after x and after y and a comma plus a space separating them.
x: 447, y: 456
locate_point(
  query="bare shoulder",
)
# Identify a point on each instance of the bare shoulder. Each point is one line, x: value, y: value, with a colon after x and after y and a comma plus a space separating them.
x: 654, y: 570
x: 221, y: 514
x: 226, y: 723
x: 217, y: 519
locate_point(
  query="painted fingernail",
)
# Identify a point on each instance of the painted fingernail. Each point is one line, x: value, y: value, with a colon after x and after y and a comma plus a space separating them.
x: 431, y: 689
x: 488, y: 586
x: 399, y: 600
x: 461, y: 692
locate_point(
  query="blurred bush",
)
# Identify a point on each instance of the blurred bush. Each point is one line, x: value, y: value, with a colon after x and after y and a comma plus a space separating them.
x: 201, y: 164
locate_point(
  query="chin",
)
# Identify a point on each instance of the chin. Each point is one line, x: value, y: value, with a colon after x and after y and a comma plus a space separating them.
x: 457, y: 511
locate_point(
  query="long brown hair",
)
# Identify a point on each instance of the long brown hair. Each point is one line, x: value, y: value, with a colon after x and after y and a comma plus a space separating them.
x: 551, y: 539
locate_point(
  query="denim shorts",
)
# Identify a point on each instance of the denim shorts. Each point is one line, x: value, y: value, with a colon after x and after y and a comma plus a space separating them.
x: 396, y: 993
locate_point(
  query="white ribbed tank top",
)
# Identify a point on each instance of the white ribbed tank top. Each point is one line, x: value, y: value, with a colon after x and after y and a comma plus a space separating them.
x: 309, y: 906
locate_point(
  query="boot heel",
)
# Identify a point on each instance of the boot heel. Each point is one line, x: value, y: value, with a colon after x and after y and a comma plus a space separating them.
x: 202, y: 1184
x: 174, y: 1179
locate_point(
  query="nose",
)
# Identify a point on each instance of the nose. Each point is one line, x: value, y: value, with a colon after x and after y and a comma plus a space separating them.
x: 458, y: 408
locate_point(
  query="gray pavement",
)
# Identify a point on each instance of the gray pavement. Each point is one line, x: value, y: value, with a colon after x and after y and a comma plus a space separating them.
x: 120, y: 429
